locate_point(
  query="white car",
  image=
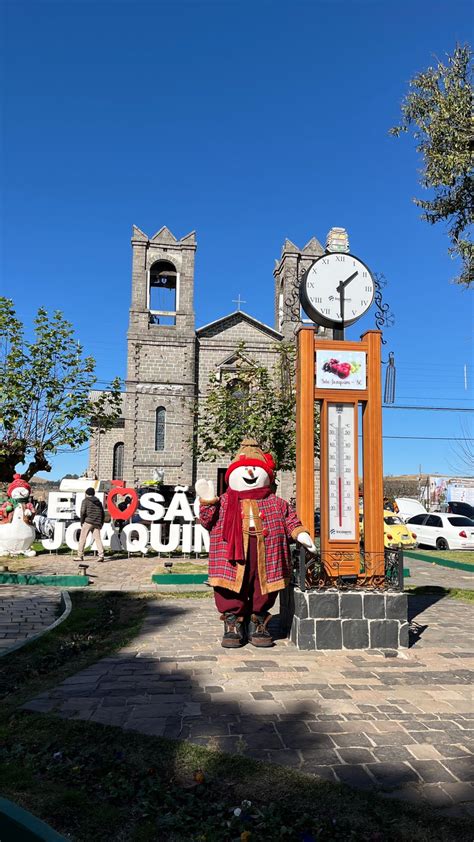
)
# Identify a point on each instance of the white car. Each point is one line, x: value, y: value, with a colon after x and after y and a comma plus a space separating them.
x: 443, y: 531
x: 408, y: 507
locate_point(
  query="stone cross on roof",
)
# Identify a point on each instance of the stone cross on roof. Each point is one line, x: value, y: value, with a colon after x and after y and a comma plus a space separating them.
x: 238, y: 301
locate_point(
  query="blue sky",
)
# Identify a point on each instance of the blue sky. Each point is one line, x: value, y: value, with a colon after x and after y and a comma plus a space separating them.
x: 248, y: 122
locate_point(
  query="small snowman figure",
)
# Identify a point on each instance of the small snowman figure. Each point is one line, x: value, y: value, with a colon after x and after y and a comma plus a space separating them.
x: 17, y: 532
x: 249, y: 557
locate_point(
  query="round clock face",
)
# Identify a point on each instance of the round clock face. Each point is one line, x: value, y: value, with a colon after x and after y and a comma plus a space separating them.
x: 337, y: 290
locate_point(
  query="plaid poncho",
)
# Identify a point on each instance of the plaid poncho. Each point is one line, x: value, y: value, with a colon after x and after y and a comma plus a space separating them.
x: 275, y: 524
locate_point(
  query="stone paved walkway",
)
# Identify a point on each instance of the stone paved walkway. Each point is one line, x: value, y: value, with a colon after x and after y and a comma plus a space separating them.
x: 24, y: 612
x: 134, y: 574
x: 116, y: 574
x: 402, y: 725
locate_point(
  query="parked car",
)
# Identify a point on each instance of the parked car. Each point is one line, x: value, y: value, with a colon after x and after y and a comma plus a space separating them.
x: 395, y: 533
x: 443, y: 531
x: 457, y: 507
x: 408, y: 507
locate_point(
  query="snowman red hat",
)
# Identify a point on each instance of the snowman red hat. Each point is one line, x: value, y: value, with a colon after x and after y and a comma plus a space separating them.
x: 18, y: 482
x: 251, y: 455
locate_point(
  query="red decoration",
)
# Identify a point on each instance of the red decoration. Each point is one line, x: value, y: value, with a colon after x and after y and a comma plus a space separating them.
x: 18, y: 482
x: 119, y: 490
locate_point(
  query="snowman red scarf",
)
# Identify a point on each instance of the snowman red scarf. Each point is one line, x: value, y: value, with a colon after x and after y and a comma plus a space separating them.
x: 232, y: 526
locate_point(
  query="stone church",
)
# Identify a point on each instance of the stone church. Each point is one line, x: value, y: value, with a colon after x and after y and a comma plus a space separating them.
x: 170, y: 361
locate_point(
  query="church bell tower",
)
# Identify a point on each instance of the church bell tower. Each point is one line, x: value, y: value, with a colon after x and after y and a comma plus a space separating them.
x: 161, y: 359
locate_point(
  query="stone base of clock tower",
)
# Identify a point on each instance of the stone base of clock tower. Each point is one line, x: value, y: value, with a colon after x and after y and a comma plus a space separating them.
x: 352, y: 619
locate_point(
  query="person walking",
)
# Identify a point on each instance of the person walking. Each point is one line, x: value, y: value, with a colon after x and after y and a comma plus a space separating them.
x: 92, y: 520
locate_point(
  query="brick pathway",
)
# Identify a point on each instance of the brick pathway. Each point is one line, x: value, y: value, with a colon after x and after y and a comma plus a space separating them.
x: 24, y: 612
x: 117, y: 574
x: 403, y: 725
x: 134, y: 574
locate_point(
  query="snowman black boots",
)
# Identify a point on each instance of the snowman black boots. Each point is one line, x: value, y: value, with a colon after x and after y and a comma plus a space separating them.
x: 257, y: 631
x: 234, y: 631
x: 237, y: 631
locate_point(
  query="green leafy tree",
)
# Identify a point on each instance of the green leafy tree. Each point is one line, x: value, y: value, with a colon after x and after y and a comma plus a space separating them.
x: 44, y: 392
x: 438, y: 111
x: 251, y: 401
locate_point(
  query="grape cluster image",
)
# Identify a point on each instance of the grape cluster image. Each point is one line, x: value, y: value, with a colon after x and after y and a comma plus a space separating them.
x: 341, y: 368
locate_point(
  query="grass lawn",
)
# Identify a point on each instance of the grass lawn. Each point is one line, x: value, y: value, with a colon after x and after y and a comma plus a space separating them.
x: 464, y: 594
x: 464, y: 556
x: 37, y: 546
x: 101, y: 784
x: 183, y: 567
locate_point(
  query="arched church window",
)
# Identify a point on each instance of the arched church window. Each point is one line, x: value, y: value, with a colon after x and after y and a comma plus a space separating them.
x: 237, y: 405
x: 117, y: 467
x: 163, y: 293
x: 160, y: 424
x: 238, y: 389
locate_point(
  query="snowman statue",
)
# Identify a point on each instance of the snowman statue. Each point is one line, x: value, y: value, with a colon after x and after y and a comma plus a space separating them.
x: 17, y: 532
x: 249, y: 557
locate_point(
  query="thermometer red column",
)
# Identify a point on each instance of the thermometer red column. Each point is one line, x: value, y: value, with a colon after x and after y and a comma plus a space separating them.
x: 342, y: 477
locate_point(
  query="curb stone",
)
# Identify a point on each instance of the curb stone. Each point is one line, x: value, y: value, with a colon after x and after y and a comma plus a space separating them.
x: 66, y: 605
x: 15, y: 819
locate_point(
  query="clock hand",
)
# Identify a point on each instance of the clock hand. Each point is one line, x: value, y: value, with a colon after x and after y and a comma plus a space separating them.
x: 344, y: 283
x: 340, y: 289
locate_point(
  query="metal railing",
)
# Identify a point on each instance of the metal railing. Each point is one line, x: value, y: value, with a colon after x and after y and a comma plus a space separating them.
x: 318, y: 572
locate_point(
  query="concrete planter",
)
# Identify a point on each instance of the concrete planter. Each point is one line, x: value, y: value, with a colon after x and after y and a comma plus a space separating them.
x: 18, y: 825
x: 179, y: 578
x: 59, y: 581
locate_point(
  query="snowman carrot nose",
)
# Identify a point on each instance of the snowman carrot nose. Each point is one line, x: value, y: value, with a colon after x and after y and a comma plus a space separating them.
x: 250, y: 471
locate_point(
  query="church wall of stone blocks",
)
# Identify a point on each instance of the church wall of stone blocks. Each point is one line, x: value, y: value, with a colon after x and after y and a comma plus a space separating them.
x: 169, y: 362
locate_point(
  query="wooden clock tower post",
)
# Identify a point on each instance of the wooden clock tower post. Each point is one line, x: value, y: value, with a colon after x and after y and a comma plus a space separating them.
x: 337, y: 289
x: 339, y: 411
x: 343, y: 599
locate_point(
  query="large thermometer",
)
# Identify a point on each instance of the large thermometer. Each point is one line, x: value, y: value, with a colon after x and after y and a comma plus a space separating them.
x: 342, y: 477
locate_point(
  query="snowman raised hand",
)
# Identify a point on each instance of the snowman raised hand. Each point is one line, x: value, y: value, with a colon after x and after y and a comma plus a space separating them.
x: 249, y: 558
x: 205, y: 489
